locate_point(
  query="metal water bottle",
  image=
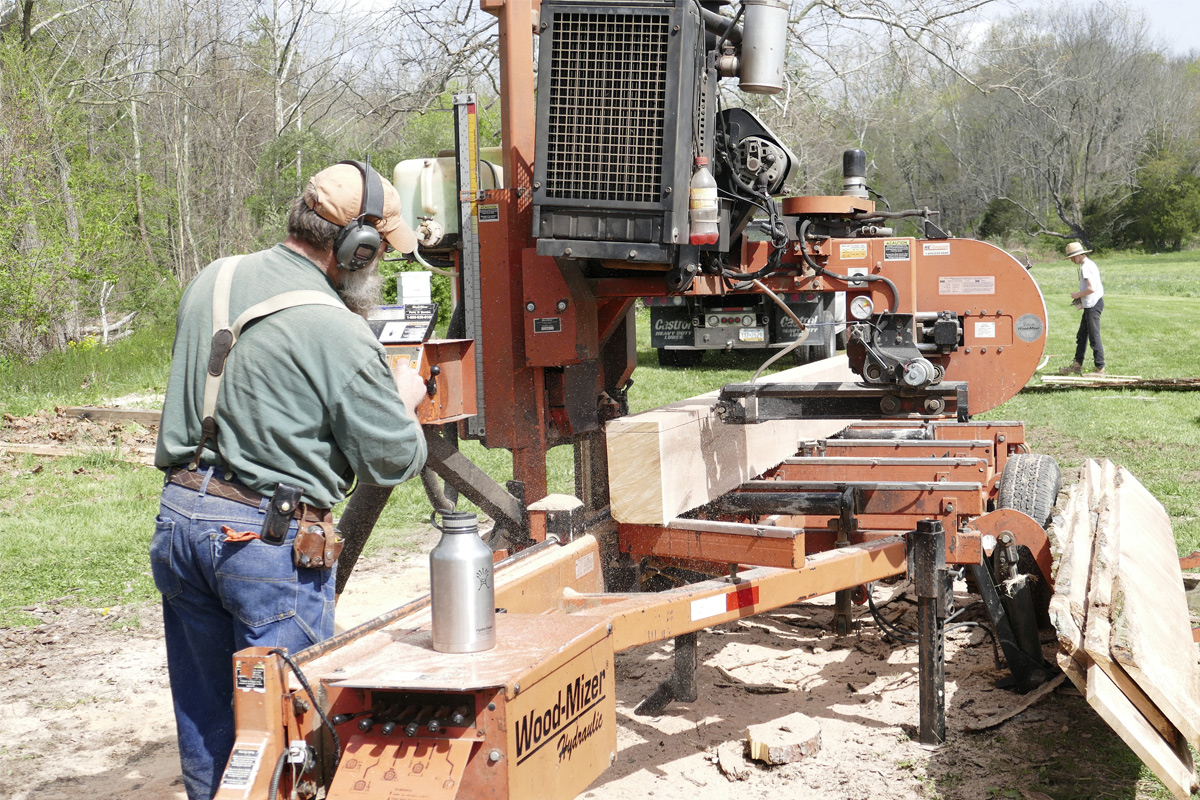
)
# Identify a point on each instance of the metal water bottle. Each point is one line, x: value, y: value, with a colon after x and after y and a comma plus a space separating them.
x: 461, y: 593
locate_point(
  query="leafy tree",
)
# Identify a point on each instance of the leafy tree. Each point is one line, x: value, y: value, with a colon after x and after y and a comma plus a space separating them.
x: 1164, y: 210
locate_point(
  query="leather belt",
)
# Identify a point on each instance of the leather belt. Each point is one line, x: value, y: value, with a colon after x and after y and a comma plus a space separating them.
x: 227, y: 490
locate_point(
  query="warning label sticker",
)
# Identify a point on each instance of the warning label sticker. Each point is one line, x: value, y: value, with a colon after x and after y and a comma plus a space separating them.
x: 985, y: 330
x: 852, y: 251
x: 256, y: 681
x: 967, y: 284
x: 897, y: 250
x: 243, y: 766
x: 935, y: 248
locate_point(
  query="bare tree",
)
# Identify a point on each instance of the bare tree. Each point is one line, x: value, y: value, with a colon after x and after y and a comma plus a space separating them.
x: 1071, y: 113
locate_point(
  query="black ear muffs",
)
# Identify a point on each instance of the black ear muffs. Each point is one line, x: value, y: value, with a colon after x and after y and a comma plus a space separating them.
x: 358, y: 242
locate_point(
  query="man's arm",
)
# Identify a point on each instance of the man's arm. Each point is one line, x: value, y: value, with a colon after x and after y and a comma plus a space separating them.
x: 411, y: 387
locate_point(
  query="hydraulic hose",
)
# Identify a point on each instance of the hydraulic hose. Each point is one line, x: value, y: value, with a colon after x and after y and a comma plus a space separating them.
x: 847, y: 278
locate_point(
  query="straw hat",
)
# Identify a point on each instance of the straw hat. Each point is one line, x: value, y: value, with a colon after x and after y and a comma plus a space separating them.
x: 1076, y: 249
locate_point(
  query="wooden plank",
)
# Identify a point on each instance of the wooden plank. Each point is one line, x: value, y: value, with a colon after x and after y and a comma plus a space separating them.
x: 138, y: 455
x: 1099, y: 626
x: 142, y: 416
x: 1172, y: 765
x: 1151, y: 631
x: 1024, y: 703
x: 665, y: 462
x: 1073, y: 540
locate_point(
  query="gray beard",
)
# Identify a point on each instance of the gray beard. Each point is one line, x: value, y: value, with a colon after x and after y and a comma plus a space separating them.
x: 361, y: 291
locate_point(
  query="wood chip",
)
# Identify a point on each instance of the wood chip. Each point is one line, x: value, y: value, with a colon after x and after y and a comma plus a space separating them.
x: 731, y: 760
x: 784, y: 740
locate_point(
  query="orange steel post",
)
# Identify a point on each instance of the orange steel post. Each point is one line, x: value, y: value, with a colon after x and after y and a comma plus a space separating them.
x: 516, y: 90
x: 514, y: 393
x: 259, y: 700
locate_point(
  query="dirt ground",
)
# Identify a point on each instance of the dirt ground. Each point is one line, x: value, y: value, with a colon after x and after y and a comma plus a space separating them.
x: 85, y: 710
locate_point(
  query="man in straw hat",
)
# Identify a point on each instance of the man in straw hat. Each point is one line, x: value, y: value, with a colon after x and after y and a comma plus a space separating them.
x: 1090, y: 298
x: 279, y: 396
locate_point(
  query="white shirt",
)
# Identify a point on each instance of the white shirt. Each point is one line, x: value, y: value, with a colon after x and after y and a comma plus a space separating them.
x: 1089, y: 275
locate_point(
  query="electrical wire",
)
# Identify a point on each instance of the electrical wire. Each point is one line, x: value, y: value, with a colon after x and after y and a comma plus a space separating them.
x: 991, y: 634
x: 748, y: 194
x: 417, y: 257
x: 888, y: 628
x: 732, y: 25
x: 910, y: 637
x: 337, y: 742
x: 277, y: 775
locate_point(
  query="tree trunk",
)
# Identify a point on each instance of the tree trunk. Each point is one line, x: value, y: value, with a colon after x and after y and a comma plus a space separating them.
x: 138, y: 199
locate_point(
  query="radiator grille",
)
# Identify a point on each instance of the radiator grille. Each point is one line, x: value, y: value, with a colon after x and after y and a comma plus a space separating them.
x: 608, y: 92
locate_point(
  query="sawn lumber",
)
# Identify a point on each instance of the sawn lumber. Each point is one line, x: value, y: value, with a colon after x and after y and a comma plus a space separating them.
x: 673, y: 459
x: 1122, y: 622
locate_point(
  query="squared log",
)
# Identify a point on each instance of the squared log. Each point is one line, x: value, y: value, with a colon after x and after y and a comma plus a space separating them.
x: 670, y: 460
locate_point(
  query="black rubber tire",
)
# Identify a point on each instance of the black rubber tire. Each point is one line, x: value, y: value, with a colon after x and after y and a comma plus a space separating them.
x: 1030, y: 484
x: 679, y: 358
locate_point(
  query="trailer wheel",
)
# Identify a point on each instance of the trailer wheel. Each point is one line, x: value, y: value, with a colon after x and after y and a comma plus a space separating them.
x: 1030, y: 484
x: 679, y: 358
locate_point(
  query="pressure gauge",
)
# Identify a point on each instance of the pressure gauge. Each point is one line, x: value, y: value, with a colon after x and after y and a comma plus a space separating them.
x: 861, y: 307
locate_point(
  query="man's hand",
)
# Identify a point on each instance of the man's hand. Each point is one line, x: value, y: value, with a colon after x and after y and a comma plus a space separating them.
x: 411, y: 387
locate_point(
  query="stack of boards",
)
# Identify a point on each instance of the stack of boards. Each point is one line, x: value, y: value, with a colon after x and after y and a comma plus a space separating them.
x: 1122, y: 620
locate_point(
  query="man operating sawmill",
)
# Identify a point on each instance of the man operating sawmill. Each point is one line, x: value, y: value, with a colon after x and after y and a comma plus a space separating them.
x: 260, y: 440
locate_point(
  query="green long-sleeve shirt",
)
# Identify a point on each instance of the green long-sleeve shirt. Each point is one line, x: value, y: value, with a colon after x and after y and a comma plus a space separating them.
x: 307, y: 396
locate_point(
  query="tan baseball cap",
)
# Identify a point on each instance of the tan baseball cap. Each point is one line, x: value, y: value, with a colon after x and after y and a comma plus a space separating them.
x: 336, y: 194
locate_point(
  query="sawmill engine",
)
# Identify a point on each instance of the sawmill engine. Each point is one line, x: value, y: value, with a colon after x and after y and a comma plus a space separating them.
x: 629, y: 120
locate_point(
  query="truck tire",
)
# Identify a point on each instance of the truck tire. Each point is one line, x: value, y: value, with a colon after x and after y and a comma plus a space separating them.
x: 1030, y: 484
x: 679, y: 358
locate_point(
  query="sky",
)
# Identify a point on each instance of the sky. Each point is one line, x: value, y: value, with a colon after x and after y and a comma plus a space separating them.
x: 1174, y: 23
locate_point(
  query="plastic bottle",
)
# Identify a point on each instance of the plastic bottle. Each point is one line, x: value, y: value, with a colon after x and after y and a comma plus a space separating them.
x: 704, y: 213
x: 461, y: 592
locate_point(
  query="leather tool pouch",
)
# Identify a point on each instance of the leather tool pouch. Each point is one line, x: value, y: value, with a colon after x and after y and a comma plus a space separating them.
x: 317, y: 545
x: 279, y: 513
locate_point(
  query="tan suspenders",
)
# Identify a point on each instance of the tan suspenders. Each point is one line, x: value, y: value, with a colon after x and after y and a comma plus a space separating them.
x: 225, y: 336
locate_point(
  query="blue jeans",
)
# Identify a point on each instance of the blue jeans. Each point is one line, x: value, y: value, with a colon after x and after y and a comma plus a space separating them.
x: 1089, y: 332
x: 218, y: 598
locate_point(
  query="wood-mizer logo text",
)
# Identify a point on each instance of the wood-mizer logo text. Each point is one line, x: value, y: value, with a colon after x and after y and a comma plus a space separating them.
x: 575, y: 699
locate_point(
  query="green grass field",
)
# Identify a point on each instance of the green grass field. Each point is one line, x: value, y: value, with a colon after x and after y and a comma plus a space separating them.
x: 76, y: 529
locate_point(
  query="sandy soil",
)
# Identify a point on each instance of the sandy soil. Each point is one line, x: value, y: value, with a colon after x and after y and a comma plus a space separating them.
x: 85, y: 708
